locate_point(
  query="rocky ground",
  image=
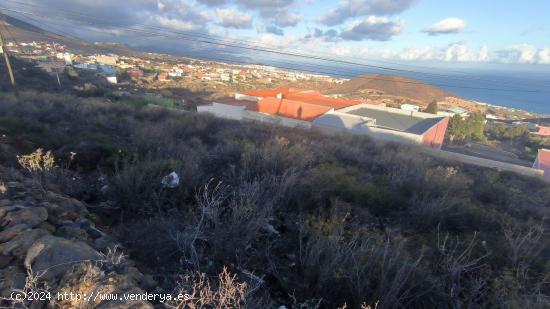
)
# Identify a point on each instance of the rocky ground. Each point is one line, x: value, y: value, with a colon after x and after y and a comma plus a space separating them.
x: 49, y: 245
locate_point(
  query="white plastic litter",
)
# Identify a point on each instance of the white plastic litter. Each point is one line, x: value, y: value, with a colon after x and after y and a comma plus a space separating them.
x: 171, y: 180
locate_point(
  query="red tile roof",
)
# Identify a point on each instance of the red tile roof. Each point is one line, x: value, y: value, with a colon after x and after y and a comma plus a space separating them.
x: 291, y: 109
x: 305, y: 96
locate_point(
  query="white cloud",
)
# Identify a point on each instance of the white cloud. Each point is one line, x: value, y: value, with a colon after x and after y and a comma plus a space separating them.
x: 160, y: 6
x: 456, y: 52
x: 286, y: 19
x: 230, y: 18
x: 446, y: 26
x: 544, y: 55
x: 177, y: 24
x: 355, y: 8
x: 417, y: 53
x: 341, y: 50
x: 372, y: 28
x: 523, y: 53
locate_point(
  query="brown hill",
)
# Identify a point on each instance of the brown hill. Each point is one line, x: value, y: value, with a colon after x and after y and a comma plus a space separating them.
x: 392, y: 85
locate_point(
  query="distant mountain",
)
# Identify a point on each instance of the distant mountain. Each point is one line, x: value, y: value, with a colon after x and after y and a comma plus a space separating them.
x: 394, y: 86
x: 24, y: 32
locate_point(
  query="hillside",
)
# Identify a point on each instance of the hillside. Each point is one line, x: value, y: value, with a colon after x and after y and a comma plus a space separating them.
x: 24, y: 32
x: 393, y: 86
x: 300, y: 219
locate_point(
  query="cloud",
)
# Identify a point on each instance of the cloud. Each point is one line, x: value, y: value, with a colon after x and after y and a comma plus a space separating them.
x: 177, y: 24
x: 544, y: 55
x: 355, y: 8
x: 446, y: 26
x: 286, y: 19
x: 329, y: 35
x: 264, y: 4
x: 230, y: 18
x: 341, y: 50
x: 461, y: 53
x: 524, y: 54
x: 372, y: 28
x: 213, y: 2
x: 274, y: 30
x: 455, y: 52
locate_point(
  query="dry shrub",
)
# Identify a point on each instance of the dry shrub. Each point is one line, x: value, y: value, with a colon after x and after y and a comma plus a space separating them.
x: 37, y: 162
x: 460, y: 270
x: 203, y: 292
x: 33, y: 284
x: 357, y: 267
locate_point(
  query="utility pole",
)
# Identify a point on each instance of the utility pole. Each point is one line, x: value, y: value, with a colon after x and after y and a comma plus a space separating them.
x: 55, y: 69
x: 8, y: 64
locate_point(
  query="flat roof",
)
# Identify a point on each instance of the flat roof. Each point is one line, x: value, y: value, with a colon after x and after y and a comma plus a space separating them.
x: 399, y: 122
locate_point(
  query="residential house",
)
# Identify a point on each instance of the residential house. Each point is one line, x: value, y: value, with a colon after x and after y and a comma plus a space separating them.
x: 542, y: 162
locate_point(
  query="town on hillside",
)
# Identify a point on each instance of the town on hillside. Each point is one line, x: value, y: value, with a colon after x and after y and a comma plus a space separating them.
x: 477, y: 133
x: 296, y: 154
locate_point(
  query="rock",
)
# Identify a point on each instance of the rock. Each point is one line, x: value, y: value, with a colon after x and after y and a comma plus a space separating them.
x: 31, y: 216
x: 4, y: 202
x: 5, y: 260
x: 171, y: 180
x: 11, y: 232
x: 62, y: 209
x: 58, y: 255
x: 13, y: 277
x: 102, y: 243
x: 47, y: 226
x: 72, y: 232
x: 5, y: 209
x: 19, y: 245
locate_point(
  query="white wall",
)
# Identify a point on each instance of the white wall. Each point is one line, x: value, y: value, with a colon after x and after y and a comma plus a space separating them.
x: 223, y: 110
x: 240, y: 113
x: 283, y: 121
x: 240, y: 96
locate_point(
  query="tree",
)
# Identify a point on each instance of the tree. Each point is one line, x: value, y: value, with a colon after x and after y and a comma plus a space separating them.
x: 461, y: 129
x: 432, y: 107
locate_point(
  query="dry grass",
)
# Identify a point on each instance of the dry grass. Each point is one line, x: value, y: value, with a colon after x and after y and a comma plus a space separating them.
x: 203, y: 292
x: 384, y: 251
x: 38, y: 161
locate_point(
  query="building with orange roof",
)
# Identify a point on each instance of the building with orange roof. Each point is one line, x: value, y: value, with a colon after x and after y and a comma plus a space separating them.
x: 300, y: 95
x: 291, y: 109
x: 542, y: 162
x: 542, y: 131
x: 304, y: 108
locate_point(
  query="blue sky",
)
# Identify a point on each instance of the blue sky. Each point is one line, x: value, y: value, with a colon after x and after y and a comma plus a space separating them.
x: 465, y: 32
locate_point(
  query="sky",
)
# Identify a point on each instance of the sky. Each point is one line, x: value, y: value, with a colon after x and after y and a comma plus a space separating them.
x: 460, y: 33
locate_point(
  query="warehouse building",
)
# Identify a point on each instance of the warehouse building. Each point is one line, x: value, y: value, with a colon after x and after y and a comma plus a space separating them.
x: 386, y: 123
x: 310, y: 109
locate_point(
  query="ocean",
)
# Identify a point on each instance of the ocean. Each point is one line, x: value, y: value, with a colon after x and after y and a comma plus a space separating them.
x: 525, y: 87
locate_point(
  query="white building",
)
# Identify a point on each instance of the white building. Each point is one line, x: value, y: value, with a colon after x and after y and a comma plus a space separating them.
x: 111, y: 79
x: 410, y: 107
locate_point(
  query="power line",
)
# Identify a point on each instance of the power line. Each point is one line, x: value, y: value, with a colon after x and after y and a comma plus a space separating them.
x: 209, y: 39
x: 155, y: 34
x: 333, y: 73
